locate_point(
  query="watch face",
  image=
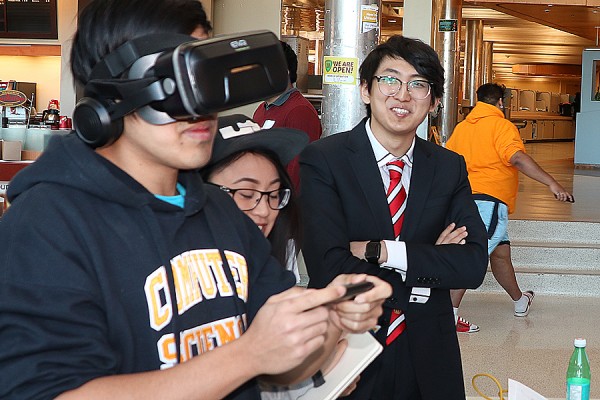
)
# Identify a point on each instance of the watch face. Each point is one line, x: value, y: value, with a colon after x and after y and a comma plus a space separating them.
x: 372, y: 252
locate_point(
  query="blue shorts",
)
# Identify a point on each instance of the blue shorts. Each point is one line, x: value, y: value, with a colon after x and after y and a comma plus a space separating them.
x: 494, y: 214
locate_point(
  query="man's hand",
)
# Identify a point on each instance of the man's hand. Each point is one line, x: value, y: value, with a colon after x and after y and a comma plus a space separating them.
x: 289, y: 327
x: 361, y: 313
x: 560, y: 193
x: 450, y: 235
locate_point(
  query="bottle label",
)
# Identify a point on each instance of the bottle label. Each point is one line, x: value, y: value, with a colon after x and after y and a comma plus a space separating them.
x: 578, y: 391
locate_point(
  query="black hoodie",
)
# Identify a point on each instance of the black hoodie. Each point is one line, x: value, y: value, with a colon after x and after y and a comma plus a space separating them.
x: 98, y: 277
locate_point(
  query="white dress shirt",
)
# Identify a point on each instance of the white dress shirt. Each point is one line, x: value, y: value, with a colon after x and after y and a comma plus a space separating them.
x: 396, y: 250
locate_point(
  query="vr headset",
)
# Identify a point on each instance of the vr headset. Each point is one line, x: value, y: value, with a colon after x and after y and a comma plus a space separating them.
x: 173, y: 77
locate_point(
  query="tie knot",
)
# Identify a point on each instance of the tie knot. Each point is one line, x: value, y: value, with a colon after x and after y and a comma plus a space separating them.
x: 395, y: 167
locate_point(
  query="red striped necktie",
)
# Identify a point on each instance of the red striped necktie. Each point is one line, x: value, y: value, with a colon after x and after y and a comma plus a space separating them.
x: 397, y: 326
x: 396, y: 197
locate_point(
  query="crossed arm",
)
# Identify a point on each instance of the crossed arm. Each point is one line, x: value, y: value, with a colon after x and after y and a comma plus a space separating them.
x: 450, y: 235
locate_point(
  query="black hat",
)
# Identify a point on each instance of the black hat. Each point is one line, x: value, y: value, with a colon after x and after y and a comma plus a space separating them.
x: 238, y: 132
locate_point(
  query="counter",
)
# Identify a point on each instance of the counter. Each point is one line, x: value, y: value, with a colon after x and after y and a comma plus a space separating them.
x: 8, y: 169
x: 543, y: 125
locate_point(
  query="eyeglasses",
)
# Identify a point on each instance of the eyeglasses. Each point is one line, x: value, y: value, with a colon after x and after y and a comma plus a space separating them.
x: 419, y: 89
x: 248, y: 199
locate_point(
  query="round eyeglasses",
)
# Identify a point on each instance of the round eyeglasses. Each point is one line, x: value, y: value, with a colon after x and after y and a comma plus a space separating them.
x: 248, y: 199
x: 419, y: 89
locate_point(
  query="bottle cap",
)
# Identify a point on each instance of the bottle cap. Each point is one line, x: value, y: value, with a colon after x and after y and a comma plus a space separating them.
x: 579, y: 342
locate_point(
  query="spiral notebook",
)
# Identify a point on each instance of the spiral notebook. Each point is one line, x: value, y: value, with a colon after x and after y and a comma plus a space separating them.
x: 361, y: 351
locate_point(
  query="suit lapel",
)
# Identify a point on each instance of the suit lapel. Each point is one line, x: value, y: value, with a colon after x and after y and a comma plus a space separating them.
x: 364, y: 165
x: 420, y: 187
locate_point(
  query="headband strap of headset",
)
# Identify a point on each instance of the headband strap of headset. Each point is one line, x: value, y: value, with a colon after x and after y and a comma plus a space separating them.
x: 140, y: 92
x: 119, y: 60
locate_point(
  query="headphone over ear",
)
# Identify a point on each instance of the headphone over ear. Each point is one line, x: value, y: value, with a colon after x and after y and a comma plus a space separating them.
x: 93, y: 123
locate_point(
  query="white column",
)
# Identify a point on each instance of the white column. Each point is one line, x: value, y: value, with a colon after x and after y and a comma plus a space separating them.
x: 418, y: 15
x: 351, y: 33
x: 234, y: 16
x: 67, y: 25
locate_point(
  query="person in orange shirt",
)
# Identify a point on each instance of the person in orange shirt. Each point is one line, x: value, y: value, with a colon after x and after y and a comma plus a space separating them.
x: 494, y: 153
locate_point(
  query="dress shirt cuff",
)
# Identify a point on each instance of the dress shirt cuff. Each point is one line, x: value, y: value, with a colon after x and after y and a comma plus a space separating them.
x: 396, y: 257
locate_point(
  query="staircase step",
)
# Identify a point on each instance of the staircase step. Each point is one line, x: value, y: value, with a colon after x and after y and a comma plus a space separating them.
x: 554, y: 258
x: 557, y: 259
x: 554, y: 232
x: 549, y: 284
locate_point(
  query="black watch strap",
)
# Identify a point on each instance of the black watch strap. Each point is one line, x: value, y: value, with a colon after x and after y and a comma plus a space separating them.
x: 373, y: 251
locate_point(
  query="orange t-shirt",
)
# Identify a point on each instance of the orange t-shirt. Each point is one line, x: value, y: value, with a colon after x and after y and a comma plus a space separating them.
x: 487, y: 141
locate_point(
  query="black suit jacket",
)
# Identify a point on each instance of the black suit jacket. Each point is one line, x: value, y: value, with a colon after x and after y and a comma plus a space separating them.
x: 343, y: 200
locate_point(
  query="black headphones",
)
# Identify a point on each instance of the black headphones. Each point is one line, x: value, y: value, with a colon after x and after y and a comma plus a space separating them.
x: 98, y: 116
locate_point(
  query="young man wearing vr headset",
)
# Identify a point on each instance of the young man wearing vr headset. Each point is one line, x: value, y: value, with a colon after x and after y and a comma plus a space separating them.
x: 123, y: 274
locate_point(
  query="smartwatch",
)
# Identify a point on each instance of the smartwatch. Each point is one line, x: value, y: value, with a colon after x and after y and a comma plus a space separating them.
x: 373, y: 251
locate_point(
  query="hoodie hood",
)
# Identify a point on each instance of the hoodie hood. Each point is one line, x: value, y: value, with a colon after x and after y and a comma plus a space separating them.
x: 483, y: 110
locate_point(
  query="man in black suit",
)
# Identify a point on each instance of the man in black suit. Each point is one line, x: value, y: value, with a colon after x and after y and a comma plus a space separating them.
x: 345, y: 180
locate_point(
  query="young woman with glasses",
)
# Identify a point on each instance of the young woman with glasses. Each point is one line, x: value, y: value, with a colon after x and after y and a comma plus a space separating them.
x: 251, y: 168
x: 249, y: 163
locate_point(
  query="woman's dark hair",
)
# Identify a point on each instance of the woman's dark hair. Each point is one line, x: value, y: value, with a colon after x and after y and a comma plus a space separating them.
x: 287, y: 224
x: 103, y: 25
x: 415, y: 52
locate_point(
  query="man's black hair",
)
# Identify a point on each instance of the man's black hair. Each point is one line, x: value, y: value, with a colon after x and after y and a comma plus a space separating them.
x: 418, y: 54
x: 490, y: 93
x: 103, y: 25
x: 292, y: 61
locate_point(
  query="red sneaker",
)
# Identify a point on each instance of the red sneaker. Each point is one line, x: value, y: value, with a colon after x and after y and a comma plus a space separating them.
x: 464, y: 326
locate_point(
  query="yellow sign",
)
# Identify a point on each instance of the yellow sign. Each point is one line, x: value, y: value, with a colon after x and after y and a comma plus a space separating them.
x: 340, y: 70
x: 369, y: 15
x: 369, y: 18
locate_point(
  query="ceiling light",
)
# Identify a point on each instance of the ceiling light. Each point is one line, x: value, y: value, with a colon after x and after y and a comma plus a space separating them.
x: 547, y: 10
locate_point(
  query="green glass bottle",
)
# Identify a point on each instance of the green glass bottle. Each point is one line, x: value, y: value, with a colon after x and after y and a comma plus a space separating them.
x: 578, y: 373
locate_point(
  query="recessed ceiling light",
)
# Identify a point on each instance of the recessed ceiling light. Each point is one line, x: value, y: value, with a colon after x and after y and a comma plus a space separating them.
x: 547, y: 10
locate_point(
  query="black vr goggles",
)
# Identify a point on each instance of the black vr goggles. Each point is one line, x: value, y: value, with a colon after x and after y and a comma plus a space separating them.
x: 171, y: 77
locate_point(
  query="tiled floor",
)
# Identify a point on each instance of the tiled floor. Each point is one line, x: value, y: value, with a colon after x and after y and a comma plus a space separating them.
x: 535, y: 350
